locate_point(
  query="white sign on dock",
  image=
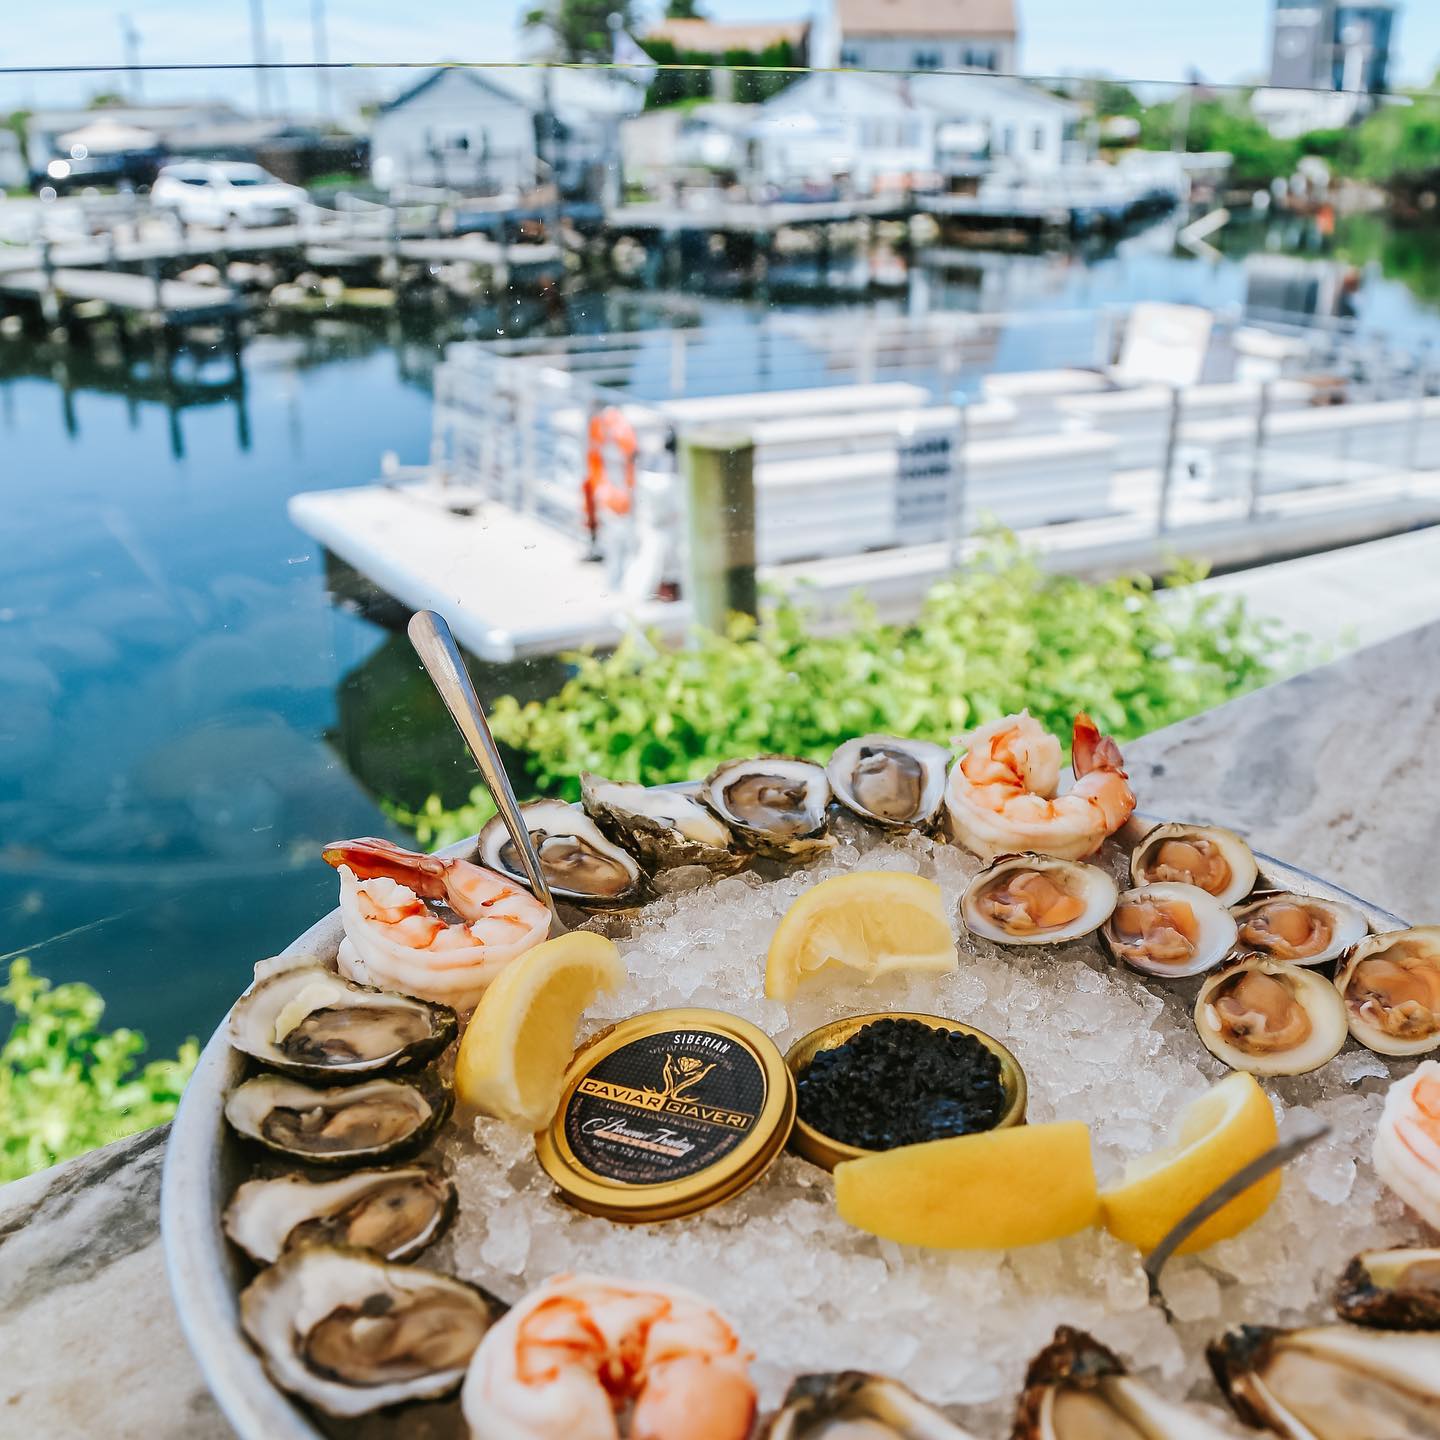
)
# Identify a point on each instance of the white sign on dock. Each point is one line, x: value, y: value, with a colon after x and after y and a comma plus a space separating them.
x: 927, y: 477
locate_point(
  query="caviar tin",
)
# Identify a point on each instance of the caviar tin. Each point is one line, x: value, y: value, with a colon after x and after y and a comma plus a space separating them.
x: 666, y: 1114
x: 820, y: 1149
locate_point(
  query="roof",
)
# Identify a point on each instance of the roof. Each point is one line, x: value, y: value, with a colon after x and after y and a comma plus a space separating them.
x: 706, y: 37
x: 964, y: 18
x: 946, y: 97
x: 571, y: 90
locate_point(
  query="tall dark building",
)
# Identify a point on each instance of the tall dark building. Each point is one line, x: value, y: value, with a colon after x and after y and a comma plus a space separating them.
x: 1331, y: 45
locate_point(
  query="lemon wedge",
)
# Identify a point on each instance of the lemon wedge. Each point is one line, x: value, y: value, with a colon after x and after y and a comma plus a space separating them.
x: 991, y: 1191
x: 520, y: 1039
x: 867, y: 921
x: 1225, y: 1128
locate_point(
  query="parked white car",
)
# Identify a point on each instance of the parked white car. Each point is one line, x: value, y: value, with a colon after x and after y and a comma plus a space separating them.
x: 215, y: 193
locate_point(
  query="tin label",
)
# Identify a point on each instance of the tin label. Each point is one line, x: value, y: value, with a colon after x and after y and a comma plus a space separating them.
x: 664, y: 1107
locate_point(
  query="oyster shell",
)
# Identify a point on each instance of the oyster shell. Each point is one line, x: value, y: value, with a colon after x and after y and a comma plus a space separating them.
x: 1037, y: 900
x: 581, y: 866
x: 1304, y: 929
x: 1390, y: 984
x: 1269, y: 1017
x: 775, y: 804
x: 315, y: 1024
x: 349, y: 1333
x: 1391, y: 1289
x: 394, y: 1214
x: 1333, y: 1382
x: 1216, y: 860
x: 341, y: 1125
x: 852, y: 1405
x: 663, y: 828
x: 898, y: 784
x: 1076, y: 1389
x: 1168, y: 929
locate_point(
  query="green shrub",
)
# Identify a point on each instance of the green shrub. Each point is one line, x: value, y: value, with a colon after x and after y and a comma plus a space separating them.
x: 66, y: 1086
x: 1001, y: 635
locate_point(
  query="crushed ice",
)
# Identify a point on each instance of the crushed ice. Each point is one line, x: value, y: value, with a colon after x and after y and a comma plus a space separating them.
x: 808, y: 1293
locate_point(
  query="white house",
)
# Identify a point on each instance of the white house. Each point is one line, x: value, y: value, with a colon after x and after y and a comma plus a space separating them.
x: 927, y: 34
x: 491, y: 131
x: 866, y: 128
x: 1001, y: 122
x: 882, y: 130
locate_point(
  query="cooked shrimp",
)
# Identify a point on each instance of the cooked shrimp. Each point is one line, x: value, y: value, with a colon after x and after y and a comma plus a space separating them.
x: 1001, y: 795
x: 397, y: 938
x: 1407, y: 1141
x: 578, y: 1354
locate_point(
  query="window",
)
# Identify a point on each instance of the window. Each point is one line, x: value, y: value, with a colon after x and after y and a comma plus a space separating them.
x: 926, y: 60
x: 1007, y: 140
x: 850, y: 57
x: 1037, y: 138
x: 910, y: 134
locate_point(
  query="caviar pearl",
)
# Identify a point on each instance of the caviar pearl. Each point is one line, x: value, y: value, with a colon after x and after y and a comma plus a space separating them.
x: 900, y: 1082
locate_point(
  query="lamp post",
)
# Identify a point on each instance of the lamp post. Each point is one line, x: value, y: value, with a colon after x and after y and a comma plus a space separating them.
x: 257, y: 43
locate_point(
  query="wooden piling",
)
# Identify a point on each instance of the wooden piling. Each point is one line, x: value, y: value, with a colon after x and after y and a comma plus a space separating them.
x: 719, y: 470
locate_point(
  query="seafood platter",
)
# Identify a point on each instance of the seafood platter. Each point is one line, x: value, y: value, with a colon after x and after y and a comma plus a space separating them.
x: 832, y: 1101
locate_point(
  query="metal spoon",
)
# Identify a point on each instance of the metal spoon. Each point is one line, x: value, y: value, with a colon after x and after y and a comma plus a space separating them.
x: 440, y: 656
x: 1300, y: 1138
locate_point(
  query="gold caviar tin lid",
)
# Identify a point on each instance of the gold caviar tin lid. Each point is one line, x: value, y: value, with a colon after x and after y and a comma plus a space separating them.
x: 666, y: 1114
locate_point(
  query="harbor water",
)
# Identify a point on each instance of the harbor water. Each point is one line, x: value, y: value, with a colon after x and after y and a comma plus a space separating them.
x: 187, y: 713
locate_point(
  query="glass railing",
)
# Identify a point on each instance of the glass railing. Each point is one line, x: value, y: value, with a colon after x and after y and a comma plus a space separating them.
x: 581, y: 368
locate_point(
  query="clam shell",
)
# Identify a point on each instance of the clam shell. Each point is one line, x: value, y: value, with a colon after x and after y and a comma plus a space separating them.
x: 1239, y: 859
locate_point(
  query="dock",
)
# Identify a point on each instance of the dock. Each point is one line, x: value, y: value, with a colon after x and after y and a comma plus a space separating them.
x: 512, y: 585
x: 170, y: 302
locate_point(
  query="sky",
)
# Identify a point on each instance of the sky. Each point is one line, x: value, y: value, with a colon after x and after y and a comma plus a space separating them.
x: 1226, y: 40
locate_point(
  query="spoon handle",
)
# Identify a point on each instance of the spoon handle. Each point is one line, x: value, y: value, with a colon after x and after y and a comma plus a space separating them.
x: 440, y: 656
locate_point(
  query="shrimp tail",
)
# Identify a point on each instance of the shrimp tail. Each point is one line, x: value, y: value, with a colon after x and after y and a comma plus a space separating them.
x: 1090, y: 750
x: 374, y: 859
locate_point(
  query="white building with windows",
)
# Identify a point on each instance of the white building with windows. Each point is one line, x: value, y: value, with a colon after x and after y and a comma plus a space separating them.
x: 500, y: 130
x: 927, y: 34
x: 865, y: 129
x: 883, y: 131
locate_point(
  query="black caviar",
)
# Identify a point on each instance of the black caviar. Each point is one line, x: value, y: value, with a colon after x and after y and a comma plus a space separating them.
x: 899, y: 1082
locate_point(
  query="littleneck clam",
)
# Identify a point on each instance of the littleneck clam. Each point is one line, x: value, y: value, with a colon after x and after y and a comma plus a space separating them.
x: 1076, y: 1389
x: 1168, y: 929
x: 313, y: 1023
x: 340, y: 1125
x: 1216, y: 860
x: 663, y: 828
x: 394, y: 1214
x: 1269, y: 1017
x: 349, y: 1333
x: 581, y: 865
x: 1332, y: 1382
x: 1390, y: 984
x: 775, y: 804
x: 853, y: 1405
x: 1037, y: 900
x: 894, y: 783
x: 1391, y: 1289
x: 1304, y: 929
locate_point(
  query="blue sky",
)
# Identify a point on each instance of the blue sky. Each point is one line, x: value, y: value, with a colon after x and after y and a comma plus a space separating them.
x: 1225, y: 39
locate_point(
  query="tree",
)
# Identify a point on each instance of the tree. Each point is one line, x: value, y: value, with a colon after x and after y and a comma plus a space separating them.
x: 1223, y: 125
x: 684, y: 10
x: 580, y: 29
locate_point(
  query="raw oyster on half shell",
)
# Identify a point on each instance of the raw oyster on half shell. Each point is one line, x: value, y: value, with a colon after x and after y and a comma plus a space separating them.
x: 349, y: 1333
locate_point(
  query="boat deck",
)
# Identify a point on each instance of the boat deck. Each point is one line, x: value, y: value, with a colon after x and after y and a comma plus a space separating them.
x: 512, y: 585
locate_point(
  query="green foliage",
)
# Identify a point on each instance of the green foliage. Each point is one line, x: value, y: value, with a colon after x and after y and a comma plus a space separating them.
x: 684, y: 10
x: 1399, y: 143
x: 757, y: 74
x: 1111, y: 97
x: 998, y: 636
x: 1221, y: 124
x: 66, y: 1086
x: 580, y: 29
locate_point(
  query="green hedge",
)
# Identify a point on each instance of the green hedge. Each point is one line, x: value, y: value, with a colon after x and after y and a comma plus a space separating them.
x: 1001, y: 635
x: 65, y: 1085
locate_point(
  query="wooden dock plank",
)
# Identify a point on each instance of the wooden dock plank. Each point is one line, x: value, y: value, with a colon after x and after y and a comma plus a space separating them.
x: 178, y: 300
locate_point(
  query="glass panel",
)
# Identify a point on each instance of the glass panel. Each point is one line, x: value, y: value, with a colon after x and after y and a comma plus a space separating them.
x: 461, y: 354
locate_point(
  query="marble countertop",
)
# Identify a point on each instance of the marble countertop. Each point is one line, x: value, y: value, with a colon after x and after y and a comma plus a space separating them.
x: 1330, y: 771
